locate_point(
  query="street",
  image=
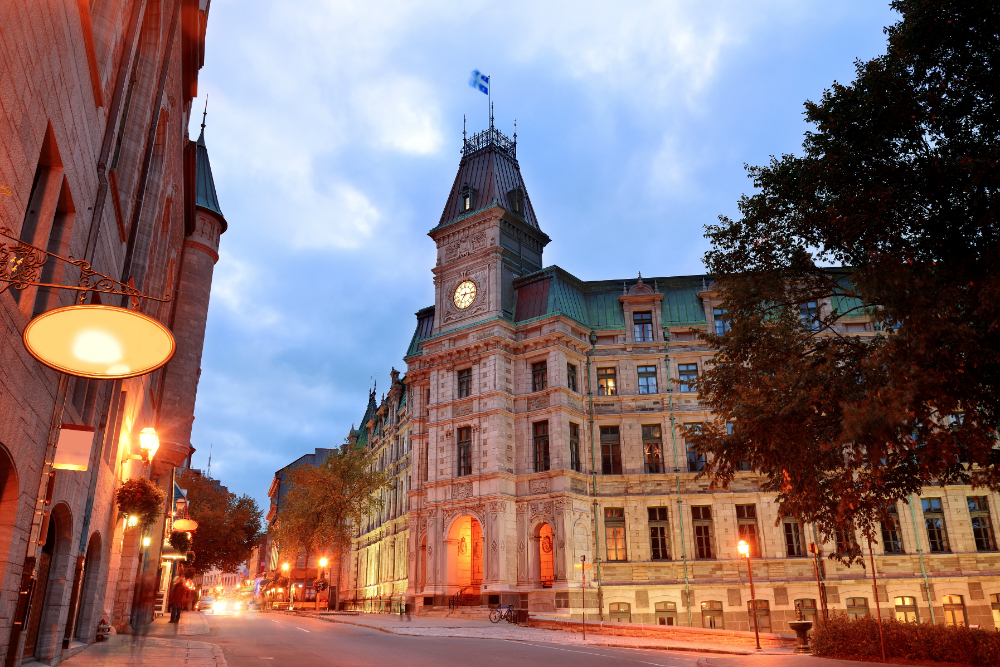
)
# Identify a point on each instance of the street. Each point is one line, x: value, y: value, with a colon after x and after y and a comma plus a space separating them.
x: 257, y: 639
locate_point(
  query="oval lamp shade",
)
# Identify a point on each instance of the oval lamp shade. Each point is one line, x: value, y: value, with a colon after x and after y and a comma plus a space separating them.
x: 96, y: 341
x: 184, y: 525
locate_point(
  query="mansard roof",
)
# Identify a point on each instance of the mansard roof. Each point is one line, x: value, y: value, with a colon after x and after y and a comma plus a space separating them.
x: 489, y: 167
x: 369, y: 413
x: 425, y: 325
x: 205, y: 195
x: 595, y: 304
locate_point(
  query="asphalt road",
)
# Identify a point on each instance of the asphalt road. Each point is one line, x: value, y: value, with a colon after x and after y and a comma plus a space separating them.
x: 269, y: 640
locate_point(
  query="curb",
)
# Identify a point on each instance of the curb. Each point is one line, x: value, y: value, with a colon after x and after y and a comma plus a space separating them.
x: 688, y: 649
x: 220, y: 659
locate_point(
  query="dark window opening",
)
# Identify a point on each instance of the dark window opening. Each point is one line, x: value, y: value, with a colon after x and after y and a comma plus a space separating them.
x: 611, y: 451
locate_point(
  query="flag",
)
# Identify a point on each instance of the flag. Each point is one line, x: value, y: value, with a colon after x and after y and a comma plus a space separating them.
x: 480, y: 81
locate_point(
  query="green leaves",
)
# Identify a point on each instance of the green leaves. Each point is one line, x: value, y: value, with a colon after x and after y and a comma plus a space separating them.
x: 899, y: 181
x: 140, y: 498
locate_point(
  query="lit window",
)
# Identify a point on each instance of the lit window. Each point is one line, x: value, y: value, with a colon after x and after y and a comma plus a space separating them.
x: 711, y: 614
x: 666, y: 613
x: 906, y: 609
x: 620, y: 612
x: 614, y: 531
x: 954, y: 610
x: 652, y: 447
x: 746, y: 520
x: 857, y: 607
x: 606, y: 383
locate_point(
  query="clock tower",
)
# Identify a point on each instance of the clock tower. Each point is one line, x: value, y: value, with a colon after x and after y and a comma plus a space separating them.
x: 487, y: 235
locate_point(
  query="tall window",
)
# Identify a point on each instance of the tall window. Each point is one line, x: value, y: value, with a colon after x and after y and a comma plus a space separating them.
x: 606, y: 384
x: 574, y: 446
x: 702, y: 518
x: 891, y: 543
x: 614, y: 533
x: 793, y: 537
x: 611, y: 451
x: 982, y: 529
x: 937, y: 535
x: 746, y: 522
x: 541, y: 432
x: 906, y: 609
x: 658, y: 533
x: 642, y: 324
x: 647, y: 379
x: 464, y: 383
x: 539, y: 376
x: 464, y: 451
x: 857, y: 607
x: 687, y: 374
x: 809, y: 312
x: 995, y: 608
x: 721, y: 321
x: 652, y: 448
x: 808, y: 608
x: 571, y: 377
x: 846, y: 543
x: 711, y: 614
x: 696, y: 459
x: 954, y: 610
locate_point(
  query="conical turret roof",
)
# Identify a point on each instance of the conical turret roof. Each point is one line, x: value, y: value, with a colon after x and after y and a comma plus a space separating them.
x: 206, y: 196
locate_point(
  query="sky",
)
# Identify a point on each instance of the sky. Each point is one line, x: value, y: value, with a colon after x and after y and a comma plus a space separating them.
x: 334, y: 131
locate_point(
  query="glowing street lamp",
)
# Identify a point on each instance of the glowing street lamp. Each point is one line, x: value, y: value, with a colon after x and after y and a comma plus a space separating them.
x: 149, y: 442
x: 744, y: 550
x: 291, y: 586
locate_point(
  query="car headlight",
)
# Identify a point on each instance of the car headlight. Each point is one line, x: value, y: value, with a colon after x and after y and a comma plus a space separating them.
x: 237, y: 606
x: 219, y: 606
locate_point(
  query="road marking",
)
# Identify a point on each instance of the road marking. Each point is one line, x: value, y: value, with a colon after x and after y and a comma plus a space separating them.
x: 602, y: 655
x: 260, y: 657
x: 302, y: 629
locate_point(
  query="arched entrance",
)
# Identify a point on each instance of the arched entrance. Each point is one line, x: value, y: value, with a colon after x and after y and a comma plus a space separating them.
x: 465, y: 556
x: 546, y: 556
x: 43, y: 631
x: 8, y: 507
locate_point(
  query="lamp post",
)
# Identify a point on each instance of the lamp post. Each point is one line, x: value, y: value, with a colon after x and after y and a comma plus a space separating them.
x: 284, y: 568
x: 321, y: 575
x: 744, y: 550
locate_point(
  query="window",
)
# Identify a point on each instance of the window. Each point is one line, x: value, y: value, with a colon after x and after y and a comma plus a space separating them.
x: 647, y: 379
x: 995, y: 605
x: 857, y: 607
x: 614, y: 533
x: 845, y: 541
x: 658, y: 535
x: 906, y: 609
x: 954, y: 610
x: 464, y: 383
x: 808, y: 608
x: 666, y: 613
x: 809, y: 312
x: 696, y: 459
x: 793, y: 537
x: 746, y: 520
x: 702, y: 517
x: 763, y: 614
x: 574, y: 446
x: 620, y: 612
x: 467, y: 200
x: 711, y: 614
x: 891, y: 544
x: 539, y: 376
x: 642, y: 324
x: 571, y: 377
x: 464, y: 451
x: 611, y: 451
x: 721, y: 321
x: 606, y: 385
x: 686, y: 375
x: 516, y: 199
x: 744, y: 466
x: 541, y: 433
x: 652, y: 448
x: 937, y: 537
x: 982, y: 529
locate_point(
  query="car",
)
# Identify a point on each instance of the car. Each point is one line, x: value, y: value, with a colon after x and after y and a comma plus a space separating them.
x: 206, y: 603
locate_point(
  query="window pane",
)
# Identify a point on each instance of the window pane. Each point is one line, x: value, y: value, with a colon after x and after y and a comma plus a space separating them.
x: 539, y: 376
x: 721, y: 321
x: 686, y: 375
x: 606, y: 383
x: 541, y: 431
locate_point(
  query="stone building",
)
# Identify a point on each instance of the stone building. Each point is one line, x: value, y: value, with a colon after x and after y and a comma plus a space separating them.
x: 547, y: 424
x: 96, y: 163
x: 377, y: 566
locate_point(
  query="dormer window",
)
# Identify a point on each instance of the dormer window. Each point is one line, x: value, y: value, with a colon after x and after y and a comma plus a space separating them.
x: 467, y: 199
x: 516, y: 199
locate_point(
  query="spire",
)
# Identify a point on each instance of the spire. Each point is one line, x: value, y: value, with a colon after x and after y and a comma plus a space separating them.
x: 205, y: 194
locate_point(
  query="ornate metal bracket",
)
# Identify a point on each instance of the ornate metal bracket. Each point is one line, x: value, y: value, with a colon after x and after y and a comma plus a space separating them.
x: 21, y: 265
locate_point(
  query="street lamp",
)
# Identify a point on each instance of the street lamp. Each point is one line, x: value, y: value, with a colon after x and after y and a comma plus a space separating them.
x: 321, y: 575
x: 744, y: 550
x: 291, y: 588
x: 149, y: 442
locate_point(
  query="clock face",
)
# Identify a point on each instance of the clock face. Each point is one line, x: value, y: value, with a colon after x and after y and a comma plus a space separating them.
x: 465, y: 294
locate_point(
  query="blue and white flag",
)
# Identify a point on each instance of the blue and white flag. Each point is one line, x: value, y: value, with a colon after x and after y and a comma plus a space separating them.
x: 480, y: 81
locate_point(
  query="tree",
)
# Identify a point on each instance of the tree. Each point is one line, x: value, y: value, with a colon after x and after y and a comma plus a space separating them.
x: 323, y: 503
x: 228, y: 526
x: 899, y: 182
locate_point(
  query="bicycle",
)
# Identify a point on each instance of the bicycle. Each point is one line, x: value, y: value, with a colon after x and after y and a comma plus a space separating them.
x: 500, y: 614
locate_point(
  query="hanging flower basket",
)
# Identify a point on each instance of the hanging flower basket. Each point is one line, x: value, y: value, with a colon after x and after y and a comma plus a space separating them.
x: 140, y: 499
x: 180, y: 541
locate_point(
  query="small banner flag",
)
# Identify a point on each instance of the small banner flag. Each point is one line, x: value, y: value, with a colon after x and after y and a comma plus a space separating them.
x: 480, y: 81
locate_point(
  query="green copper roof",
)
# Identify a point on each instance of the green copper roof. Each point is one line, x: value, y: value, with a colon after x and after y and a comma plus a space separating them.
x: 206, y: 196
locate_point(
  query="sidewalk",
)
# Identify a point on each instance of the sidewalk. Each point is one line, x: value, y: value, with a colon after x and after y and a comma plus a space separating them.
x: 163, y: 645
x: 430, y: 626
x: 781, y: 661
